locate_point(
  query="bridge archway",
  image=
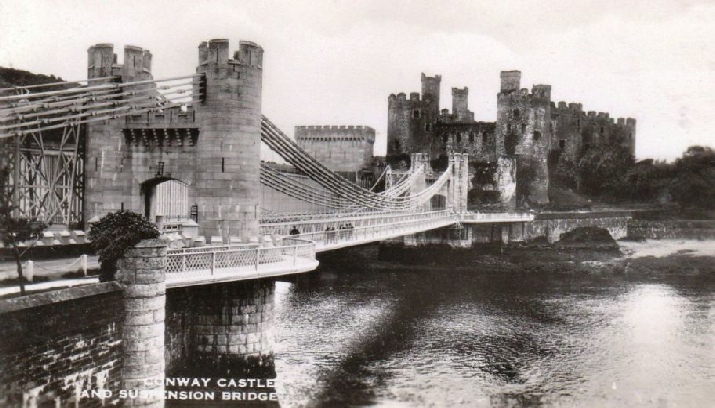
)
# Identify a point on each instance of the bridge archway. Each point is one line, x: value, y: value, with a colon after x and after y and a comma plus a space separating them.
x: 165, y: 196
x: 438, y: 202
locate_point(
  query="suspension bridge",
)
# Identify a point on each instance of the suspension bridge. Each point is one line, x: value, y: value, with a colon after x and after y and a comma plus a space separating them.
x: 186, y: 151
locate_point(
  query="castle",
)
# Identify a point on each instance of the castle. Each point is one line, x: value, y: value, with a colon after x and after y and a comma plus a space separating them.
x: 529, y: 129
x: 346, y: 150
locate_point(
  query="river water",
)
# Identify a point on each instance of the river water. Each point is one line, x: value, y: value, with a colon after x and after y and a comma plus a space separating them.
x: 476, y: 336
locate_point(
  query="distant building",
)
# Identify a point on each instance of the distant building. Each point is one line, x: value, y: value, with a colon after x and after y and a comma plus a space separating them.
x: 529, y: 127
x: 346, y: 150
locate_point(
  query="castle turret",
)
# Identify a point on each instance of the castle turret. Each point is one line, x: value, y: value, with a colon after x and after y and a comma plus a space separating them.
x: 510, y: 81
x: 524, y: 132
x: 100, y: 58
x: 460, y: 105
x: 430, y: 95
x: 228, y: 157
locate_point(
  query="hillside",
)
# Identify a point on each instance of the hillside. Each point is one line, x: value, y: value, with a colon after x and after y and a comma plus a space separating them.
x: 10, y: 77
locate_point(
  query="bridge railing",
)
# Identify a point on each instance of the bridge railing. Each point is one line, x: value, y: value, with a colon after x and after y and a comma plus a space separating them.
x: 301, y: 217
x: 391, y: 227
x: 249, y: 257
x: 486, y: 217
x: 356, y: 220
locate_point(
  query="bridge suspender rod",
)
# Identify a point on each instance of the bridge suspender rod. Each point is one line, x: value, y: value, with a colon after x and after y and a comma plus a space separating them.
x: 298, y: 184
x: 273, y: 178
x: 277, y: 144
x: 302, y: 160
x: 300, y: 164
x: 293, y: 193
x: 405, y: 202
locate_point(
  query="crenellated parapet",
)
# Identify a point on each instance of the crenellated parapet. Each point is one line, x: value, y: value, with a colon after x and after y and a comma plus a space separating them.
x: 342, y: 148
x: 575, y: 131
x: 209, y: 149
x: 102, y: 62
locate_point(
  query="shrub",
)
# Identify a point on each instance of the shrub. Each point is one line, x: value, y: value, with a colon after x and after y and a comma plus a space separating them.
x: 116, y: 232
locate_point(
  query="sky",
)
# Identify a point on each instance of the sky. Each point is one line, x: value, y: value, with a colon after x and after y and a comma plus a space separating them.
x: 335, y: 62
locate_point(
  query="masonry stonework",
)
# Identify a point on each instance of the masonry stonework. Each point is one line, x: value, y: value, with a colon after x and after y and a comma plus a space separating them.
x: 343, y: 149
x: 56, y: 345
x: 529, y: 129
x: 222, y: 330
x: 142, y: 274
x: 211, y: 146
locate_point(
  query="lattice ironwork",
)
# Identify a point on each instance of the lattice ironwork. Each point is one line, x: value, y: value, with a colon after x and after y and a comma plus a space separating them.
x: 47, y: 174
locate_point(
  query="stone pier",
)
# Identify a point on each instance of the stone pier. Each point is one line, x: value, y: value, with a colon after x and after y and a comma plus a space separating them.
x: 142, y: 274
x: 221, y: 330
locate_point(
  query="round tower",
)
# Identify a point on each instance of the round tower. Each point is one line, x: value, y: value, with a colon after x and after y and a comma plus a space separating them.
x: 229, y: 150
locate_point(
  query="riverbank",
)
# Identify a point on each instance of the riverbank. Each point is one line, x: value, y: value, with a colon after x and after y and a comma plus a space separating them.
x: 647, y: 258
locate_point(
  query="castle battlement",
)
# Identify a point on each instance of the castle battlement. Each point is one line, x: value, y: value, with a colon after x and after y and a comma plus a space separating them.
x: 102, y: 62
x: 342, y: 148
x: 168, y: 118
x: 335, y: 127
x: 216, y: 52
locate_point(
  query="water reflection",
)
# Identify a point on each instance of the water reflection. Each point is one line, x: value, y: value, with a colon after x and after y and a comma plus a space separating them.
x: 485, y: 338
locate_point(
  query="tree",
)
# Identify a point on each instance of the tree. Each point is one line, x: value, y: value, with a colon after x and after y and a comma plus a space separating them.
x: 694, y: 183
x: 15, y: 230
x: 601, y: 166
x: 113, y: 234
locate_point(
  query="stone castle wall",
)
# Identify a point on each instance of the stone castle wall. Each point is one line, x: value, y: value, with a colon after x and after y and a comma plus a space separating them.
x: 340, y: 148
x: 574, y: 130
x: 55, y: 345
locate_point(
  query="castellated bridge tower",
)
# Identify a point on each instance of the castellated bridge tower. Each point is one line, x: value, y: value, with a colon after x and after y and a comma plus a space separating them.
x: 109, y: 176
x: 200, y: 161
x: 523, y: 133
x: 228, y: 155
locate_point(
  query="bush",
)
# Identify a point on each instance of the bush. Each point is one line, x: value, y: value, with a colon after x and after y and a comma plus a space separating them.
x: 116, y: 232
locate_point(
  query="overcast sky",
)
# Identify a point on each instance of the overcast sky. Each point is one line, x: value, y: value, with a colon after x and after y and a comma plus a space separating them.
x: 336, y: 62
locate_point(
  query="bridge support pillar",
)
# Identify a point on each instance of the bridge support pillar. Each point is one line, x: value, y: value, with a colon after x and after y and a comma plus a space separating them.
x: 226, y: 330
x: 142, y: 273
x: 459, y: 185
x: 418, y: 160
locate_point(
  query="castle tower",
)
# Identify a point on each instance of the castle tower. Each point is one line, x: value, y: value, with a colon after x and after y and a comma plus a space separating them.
x: 108, y: 187
x: 523, y: 131
x: 510, y: 81
x: 460, y: 105
x: 399, y: 116
x: 227, y: 190
x: 430, y: 96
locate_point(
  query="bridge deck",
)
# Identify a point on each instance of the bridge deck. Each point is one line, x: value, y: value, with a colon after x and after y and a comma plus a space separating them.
x: 296, y: 253
x: 239, y: 273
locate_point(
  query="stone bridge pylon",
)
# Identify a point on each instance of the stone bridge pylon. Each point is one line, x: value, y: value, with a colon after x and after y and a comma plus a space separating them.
x: 201, y: 159
x: 453, y: 194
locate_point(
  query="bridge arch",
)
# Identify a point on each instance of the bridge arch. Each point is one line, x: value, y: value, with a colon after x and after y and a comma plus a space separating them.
x: 165, y: 196
x: 438, y: 202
